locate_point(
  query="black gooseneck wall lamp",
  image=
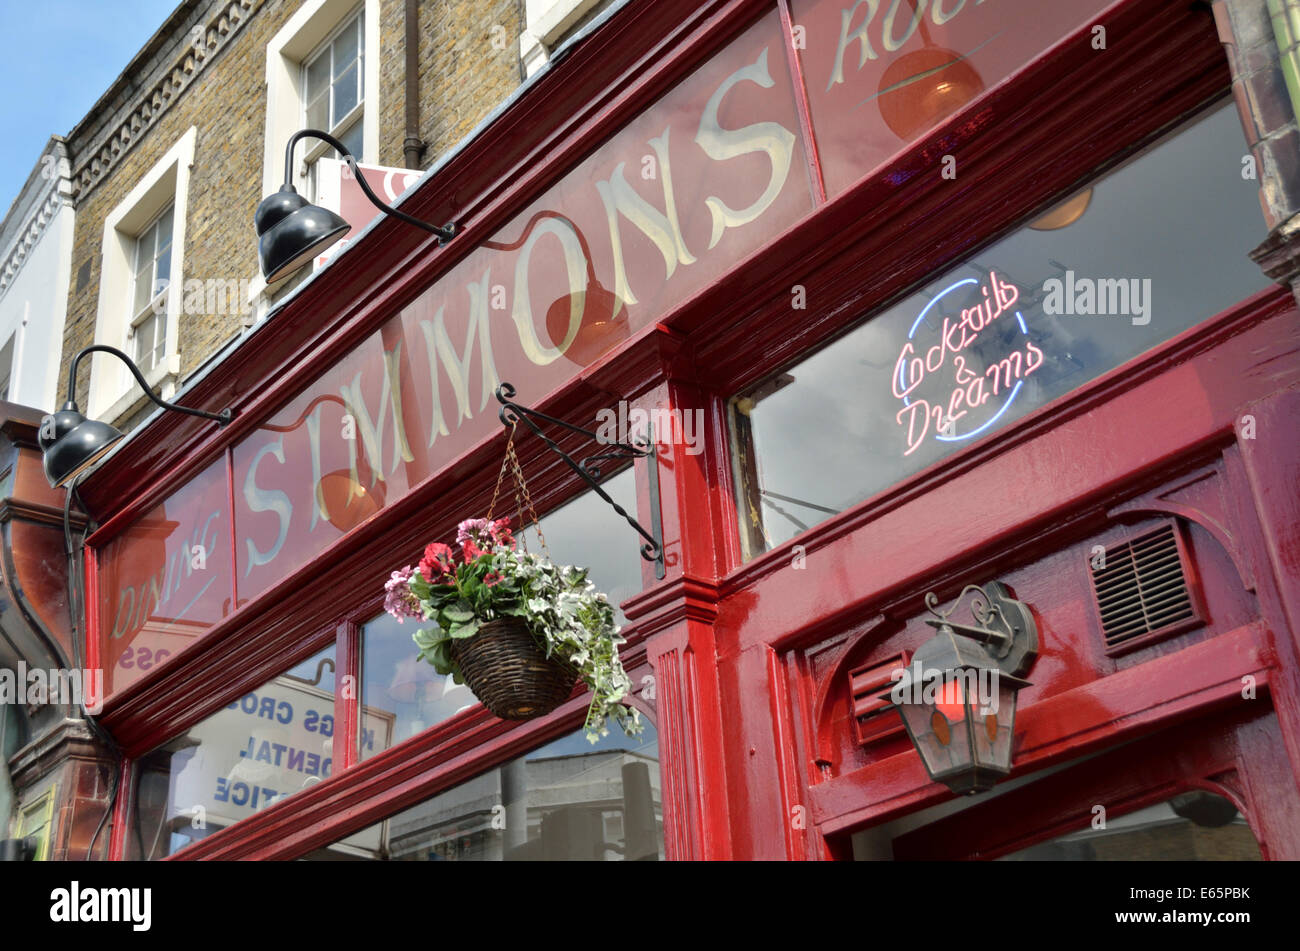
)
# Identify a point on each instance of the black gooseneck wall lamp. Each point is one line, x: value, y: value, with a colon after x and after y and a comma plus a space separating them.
x: 71, y: 443
x: 290, y: 231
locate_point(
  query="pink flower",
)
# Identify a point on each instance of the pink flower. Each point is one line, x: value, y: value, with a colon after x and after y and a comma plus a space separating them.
x: 500, y: 532
x: 492, y: 579
x: 472, y: 529
x: 399, y: 601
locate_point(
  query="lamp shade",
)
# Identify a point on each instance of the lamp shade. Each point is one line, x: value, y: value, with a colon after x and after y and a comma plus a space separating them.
x: 71, y: 443
x: 290, y: 232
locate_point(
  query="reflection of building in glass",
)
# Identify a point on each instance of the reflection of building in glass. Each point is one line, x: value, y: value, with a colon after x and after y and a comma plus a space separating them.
x: 605, y: 804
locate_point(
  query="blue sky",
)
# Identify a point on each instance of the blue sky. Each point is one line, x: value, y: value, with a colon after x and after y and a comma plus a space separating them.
x: 57, y: 57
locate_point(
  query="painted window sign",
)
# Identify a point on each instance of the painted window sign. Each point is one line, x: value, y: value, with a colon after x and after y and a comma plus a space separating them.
x: 1104, y: 276
x: 882, y: 73
x: 709, y: 173
x: 259, y: 749
x: 167, y: 580
x: 705, y: 176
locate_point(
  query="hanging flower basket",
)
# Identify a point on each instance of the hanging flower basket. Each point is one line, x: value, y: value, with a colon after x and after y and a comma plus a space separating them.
x: 509, y: 671
x: 517, y: 629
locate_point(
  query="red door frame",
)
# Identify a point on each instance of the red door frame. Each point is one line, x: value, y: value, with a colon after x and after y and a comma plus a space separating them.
x: 725, y: 778
x: 1226, y: 755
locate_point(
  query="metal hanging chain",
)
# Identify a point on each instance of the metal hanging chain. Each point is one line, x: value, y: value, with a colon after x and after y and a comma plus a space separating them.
x: 522, y: 495
x: 492, y: 506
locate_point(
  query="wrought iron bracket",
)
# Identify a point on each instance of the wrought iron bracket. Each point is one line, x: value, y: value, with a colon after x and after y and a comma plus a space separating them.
x: 1004, y: 626
x: 588, y: 468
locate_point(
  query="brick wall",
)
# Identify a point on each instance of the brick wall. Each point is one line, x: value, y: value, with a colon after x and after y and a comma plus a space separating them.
x: 227, y: 105
x: 463, y: 77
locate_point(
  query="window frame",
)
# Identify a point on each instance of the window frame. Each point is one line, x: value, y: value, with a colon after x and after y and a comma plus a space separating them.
x: 113, y: 393
x: 311, y: 27
x: 337, y: 126
x: 149, y: 312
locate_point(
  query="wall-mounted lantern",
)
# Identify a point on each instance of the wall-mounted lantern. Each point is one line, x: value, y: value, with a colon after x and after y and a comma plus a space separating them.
x: 958, y: 697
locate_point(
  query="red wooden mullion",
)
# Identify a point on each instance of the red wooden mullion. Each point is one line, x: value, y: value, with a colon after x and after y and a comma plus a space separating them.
x: 347, y: 696
x: 88, y: 623
x: 801, y: 103
x: 230, y: 528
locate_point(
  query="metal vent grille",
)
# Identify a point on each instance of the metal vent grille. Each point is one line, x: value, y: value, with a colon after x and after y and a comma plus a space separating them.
x: 873, y: 716
x: 1143, y: 589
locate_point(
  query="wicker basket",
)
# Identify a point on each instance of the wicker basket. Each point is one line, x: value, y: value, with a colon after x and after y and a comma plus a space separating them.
x: 509, y: 671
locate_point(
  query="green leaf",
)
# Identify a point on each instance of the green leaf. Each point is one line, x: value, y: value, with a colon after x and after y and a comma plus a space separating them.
x: 460, y: 612
x: 468, y: 629
x: 441, y: 658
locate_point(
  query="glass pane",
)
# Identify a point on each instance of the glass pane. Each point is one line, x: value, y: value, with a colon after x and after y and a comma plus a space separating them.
x: 345, y: 93
x: 143, y: 344
x: 566, y: 800
x: 588, y: 533
x: 163, y: 272
x: 318, y: 77
x: 145, y: 246
x: 142, y: 293
x: 1119, y: 268
x: 1193, y: 827
x: 165, y: 229
x: 345, y: 49
x: 353, y: 139
x: 318, y: 111
x: 159, y: 339
x: 403, y: 696
x: 261, y: 748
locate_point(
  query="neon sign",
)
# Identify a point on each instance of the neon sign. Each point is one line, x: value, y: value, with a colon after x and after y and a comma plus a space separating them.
x: 965, y: 393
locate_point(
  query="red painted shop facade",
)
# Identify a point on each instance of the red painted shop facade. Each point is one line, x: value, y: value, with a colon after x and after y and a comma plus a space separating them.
x: 934, y: 293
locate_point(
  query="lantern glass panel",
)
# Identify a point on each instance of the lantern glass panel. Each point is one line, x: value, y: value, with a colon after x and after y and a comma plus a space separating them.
x: 992, y: 731
x: 940, y: 728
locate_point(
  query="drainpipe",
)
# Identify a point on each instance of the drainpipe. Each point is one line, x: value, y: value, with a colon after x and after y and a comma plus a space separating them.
x: 1262, y: 39
x: 413, y: 146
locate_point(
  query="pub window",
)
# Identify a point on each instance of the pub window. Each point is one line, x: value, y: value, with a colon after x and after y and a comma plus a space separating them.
x: 1113, y: 269
x: 269, y: 744
x: 566, y: 800
x: 402, y: 696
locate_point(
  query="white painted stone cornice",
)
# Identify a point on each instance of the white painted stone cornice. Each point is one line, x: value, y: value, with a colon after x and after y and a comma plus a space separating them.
x: 160, y: 87
x: 56, y: 193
